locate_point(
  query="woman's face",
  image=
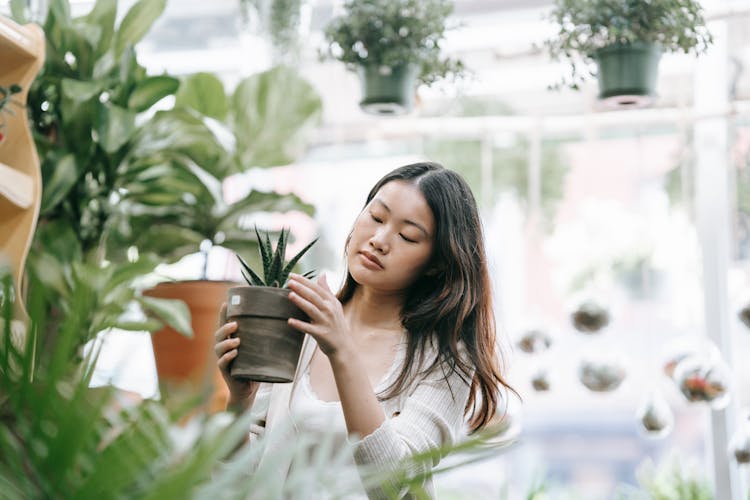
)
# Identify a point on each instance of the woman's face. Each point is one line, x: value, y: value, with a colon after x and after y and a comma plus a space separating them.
x: 392, y: 239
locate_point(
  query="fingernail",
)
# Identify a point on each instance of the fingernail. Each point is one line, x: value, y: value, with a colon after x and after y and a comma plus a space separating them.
x: 232, y: 323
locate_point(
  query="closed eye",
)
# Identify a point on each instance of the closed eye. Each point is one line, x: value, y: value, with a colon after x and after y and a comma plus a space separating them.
x: 407, y: 239
x: 376, y: 219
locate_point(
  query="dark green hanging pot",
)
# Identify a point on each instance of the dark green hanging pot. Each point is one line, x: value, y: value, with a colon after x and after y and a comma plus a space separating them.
x: 388, y: 91
x: 627, y: 74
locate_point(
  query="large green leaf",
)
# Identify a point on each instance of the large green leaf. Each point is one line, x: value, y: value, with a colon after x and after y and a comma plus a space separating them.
x: 64, y: 175
x: 173, y: 312
x: 103, y: 15
x: 204, y: 93
x: 80, y: 91
x: 272, y: 114
x: 151, y: 90
x: 114, y: 126
x: 259, y: 201
x: 137, y: 22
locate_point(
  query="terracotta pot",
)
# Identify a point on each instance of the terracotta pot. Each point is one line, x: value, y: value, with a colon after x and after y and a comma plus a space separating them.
x: 189, y: 364
x: 269, y: 347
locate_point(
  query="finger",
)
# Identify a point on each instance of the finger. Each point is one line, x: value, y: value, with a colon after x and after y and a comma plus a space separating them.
x: 303, y: 326
x: 226, y: 359
x: 323, y: 292
x: 225, y: 330
x: 307, y: 307
x: 227, y: 345
x: 223, y: 313
x: 307, y: 292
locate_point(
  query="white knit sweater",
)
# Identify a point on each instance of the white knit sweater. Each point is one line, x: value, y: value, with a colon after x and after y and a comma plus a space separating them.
x: 429, y: 415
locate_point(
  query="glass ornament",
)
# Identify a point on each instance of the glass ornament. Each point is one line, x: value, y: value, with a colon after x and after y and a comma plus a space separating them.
x: 703, y: 379
x: 590, y: 317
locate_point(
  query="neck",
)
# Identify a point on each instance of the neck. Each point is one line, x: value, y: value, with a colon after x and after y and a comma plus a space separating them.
x: 375, y: 310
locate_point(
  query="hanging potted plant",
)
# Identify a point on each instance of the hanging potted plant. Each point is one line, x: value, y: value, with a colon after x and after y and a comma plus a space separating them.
x: 394, y: 45
x: 625, y: 40
x: 269, y: 347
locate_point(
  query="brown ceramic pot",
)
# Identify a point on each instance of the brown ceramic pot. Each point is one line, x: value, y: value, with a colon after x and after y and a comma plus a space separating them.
x: 269, y: 347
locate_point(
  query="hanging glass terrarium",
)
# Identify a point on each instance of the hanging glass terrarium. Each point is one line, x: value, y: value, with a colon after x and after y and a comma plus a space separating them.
x: 534, y: 341
x: 601, y: 376
x: 540, y: 381
x: 703, y: 379
x: 739, y: 445
x: 590, y: 317
x: 655, y: 417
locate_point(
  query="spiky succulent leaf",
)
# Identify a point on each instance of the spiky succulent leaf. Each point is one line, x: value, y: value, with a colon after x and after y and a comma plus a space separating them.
x: 295, y: 259
x: 277, y: 264
x: 265, y: 253
x: 250, y: 276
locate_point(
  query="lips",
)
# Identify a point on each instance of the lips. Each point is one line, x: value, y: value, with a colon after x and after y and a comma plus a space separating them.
x: 370, y: 258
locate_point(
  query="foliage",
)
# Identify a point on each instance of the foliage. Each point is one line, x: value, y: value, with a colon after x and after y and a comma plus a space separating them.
x: 129, y: 186
x: 393, y: 33
x: 585, y: 26
x: 671, y: 480
x: 62, y: 439
x: 275, y: 267
x: 268, y: 118
x: 279, y: 19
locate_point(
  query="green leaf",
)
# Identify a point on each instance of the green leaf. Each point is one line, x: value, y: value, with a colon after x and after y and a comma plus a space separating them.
x: 151, y: 90
x: 103, y: 15
x: 56, y: 188
x: 173, y: 312
x: 273, y: 114
x: 136, y: 23
x: 260, y: 201
x: 114, y: 126
x: 290, y: 266
x: 81, y: 91
x: 147, y: 325
x: 250, y: 276
x: 204, y: 93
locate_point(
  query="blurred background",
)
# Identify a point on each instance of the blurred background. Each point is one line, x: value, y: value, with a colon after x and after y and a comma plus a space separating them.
x: 619, y: 239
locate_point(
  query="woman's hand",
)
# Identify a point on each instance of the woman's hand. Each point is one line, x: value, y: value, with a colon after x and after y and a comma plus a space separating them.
x: 327, y: 323
x: 240, y: 391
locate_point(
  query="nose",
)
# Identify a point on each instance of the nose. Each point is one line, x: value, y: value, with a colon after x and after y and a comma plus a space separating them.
x: 379, y: 241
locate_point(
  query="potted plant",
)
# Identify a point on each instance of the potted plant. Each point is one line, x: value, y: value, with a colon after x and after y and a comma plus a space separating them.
x: 393, y: 45
x: 268, y: 117
x: 625, y: 40
x: 269, y: 347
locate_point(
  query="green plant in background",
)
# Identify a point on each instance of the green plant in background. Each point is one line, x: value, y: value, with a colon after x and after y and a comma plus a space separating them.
x: 392, y: 33
x: 586, y: 26
x: 670, y: 480
x: 267, y: 119
x: 279, y: 20
x: 115, y: 172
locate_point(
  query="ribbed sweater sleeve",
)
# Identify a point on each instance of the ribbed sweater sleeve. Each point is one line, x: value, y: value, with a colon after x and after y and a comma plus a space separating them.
x: 432, y: 416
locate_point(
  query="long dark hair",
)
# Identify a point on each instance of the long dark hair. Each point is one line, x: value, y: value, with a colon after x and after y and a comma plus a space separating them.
x: 452, y: 301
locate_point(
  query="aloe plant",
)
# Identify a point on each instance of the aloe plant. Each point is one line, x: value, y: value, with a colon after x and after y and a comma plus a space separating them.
x: 275, y: 268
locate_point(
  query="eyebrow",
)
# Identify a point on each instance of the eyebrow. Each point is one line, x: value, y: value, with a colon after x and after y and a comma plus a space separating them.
x: 407, y: 221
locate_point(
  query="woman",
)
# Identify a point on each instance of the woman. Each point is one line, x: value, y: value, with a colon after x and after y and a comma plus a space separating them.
x: 404, y: 356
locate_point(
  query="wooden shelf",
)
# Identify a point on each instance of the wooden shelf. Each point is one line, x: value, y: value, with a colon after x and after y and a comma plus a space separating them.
x: 16, y: 186
x: 14, y: 40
